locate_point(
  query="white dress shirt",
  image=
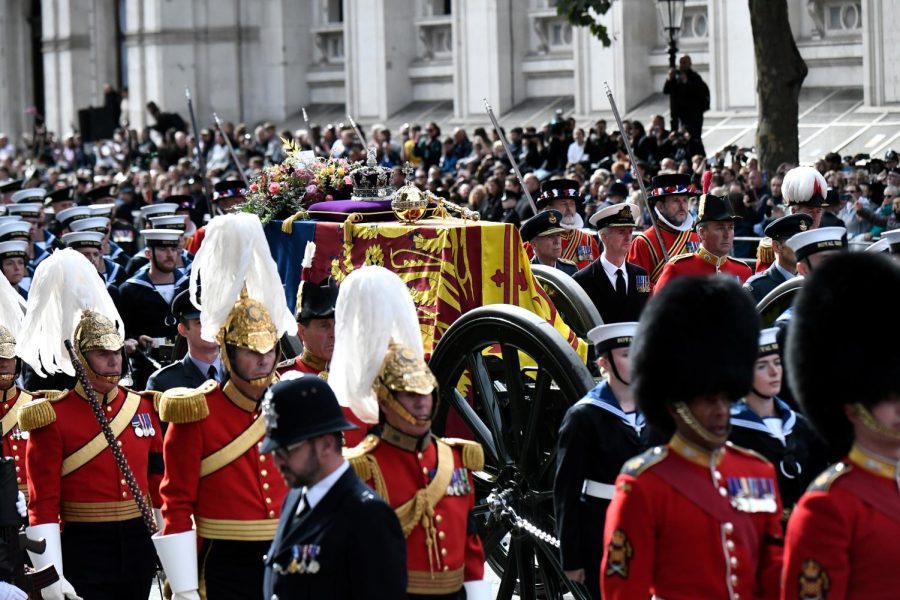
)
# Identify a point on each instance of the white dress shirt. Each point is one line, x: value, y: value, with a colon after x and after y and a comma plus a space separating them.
x: 610, y: 270
x: 316, y: 492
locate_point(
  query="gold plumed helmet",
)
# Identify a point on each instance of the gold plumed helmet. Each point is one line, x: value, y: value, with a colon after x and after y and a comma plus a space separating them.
x: 403, y: 371
x: 7, y: 343
x: 249, y: 326
x: 97, y: 332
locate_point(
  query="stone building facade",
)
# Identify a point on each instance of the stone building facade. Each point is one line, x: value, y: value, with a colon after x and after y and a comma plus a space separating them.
x: 255, y: 60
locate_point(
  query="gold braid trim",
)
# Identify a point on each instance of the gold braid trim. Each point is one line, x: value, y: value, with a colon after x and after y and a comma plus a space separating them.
x: 347, y: 226
x: 419, y: 510
x: 185, y: 405
x: 472, y: 453
x: 288, y: 225
x: 872, y: 424
x: 365, y: 466
x: 36, y: 414
x: 682, y: 410
x: 154, y: 396
x: 764, y: 252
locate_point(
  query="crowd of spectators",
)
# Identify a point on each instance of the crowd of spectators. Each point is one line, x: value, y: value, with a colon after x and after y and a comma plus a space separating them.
x: 467, y: 166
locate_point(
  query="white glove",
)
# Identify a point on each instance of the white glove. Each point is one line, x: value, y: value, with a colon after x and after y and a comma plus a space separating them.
x: 478, y: 590
x: 178, y: 554
x: 10, y: 592
x: 62, y: 589
x: 20, y: 507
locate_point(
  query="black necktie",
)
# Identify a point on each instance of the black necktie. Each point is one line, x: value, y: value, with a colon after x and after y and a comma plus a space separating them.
x: 211, y: 373
x: 620, y: 284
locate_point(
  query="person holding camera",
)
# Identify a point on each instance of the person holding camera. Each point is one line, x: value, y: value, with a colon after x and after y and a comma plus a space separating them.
x: 690, y: 97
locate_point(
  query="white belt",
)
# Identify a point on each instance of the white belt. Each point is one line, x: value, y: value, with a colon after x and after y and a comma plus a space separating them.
x: 596, y: 489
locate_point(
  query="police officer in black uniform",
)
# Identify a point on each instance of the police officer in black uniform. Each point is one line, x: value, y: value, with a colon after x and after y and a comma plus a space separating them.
x: 336, y: 538
x: 598, y: 434
x: 785, y: 265
x: 544, y: 231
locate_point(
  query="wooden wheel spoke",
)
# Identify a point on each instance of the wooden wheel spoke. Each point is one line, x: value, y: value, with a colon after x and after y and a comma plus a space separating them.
x: 510, y: 575
x: 490, y: 403
x: 536, y: 417
x: 512, y: 371
x: 525, y: 566
x: 490, y: 539
x: 482, y: 434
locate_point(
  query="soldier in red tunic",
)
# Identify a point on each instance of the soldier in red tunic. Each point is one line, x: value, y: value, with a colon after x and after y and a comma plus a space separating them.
x: 426, y: 479
x: 216, y: 477
x: 73, y: 477
x: 843, y: 538
x: 12, y: 397
x: 715, y: 226
x: 698, y: 517
x: 668, y: 199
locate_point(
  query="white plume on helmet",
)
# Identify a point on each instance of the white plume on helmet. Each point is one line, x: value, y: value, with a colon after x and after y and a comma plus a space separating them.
x: 235, y: 254
x: 12, y: 308
x: 802, y: 183
x: 64, y: 285
x: 373, y: 308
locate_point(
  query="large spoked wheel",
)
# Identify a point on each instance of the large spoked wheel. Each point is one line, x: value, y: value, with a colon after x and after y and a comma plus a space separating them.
x: 778, y: 300
x: 518, y: 377
x: 569, y: 298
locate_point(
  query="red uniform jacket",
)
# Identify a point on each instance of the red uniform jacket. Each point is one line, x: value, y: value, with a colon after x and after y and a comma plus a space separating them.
x: 702, y: 262
x: 240, y: 498
x: 399, y: 476
x: 15, y: 441
x: 682, y: 530
x: 193, y: 245
x: 843, y: 539
x: 646, y: 252
x: 578, y: 247
x: 94, y: 489
x: 352, y: 437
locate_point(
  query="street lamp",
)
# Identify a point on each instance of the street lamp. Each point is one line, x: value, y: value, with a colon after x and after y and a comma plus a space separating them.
x: 670, y: 14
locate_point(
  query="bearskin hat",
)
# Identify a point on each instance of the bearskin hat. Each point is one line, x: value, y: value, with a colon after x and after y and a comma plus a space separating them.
x: 697, y: 336
x: 831, y: 365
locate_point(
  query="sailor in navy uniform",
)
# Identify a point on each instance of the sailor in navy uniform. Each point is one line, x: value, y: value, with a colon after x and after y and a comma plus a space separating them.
x: 163, y: 209
x: 113, y: 273
x: 785, y: 265
x: 146, y: 298
x: 40, y: 248
x: 336, y: 538
x: 544, y: 232
x: 762, y: 422
x: 598, y: 434
x: 113, y: 252
x: 619, y: 289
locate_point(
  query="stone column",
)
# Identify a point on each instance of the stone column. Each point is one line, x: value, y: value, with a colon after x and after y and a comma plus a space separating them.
x: 16, y: 80
x: 483, y: 58
x: 732, y: 58
x: 379, y: 41
x: 881, y: 42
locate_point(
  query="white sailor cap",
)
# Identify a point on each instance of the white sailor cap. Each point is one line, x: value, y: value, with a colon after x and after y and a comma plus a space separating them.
x: 24, y: 209
x: 100, y: 224
x: 28, y: 194
x: 83, y: 239
x: 813, y: 241
x: 768, y: 341
x: 15, y: 230
x: 893, y: 240
x: 102, y: 210
x: 4, y: 219
x: 624, y: 214
x: 14, y: 249
x: 73, y: 213
x: 158, y: 210
x: 613, y: 335
x: 161, y: 237
x: 174, y: 222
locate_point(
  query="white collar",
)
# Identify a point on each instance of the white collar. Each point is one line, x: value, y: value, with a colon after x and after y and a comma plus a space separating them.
x: 686, y: 226
x: 315, y: 493
x: 609, y: 267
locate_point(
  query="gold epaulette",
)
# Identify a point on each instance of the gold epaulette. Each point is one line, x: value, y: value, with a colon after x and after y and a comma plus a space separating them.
x: 154, y: 396
x: 35, y: 414
x: 675, y: 259
x: 285, y: 364
x: 186, y: 405
x: 568, y: 262
x: 51, y: 395
x: 826, y: 478
x: 472, y: 453
x: 365, y: 466
x: 640, y: 463
x: 747, y: 452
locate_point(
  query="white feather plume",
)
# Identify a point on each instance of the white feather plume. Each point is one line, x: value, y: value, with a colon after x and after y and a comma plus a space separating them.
x: 12, y: 307
x: 373, y: 307
x: 235, y: 253
x: 64, y: 285
x: 308, y: 254
x: 801, y: 183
